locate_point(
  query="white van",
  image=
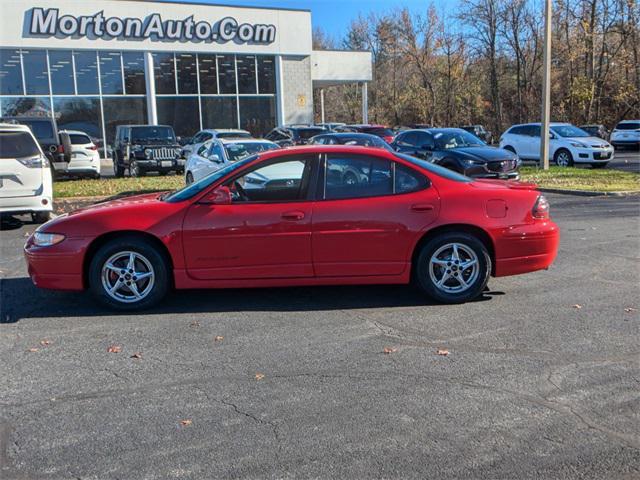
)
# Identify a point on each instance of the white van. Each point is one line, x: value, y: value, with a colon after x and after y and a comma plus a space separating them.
x: 25, y: 177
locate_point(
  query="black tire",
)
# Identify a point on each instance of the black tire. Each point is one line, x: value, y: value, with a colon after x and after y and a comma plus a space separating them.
x: 599, y: 165
x: 118, y: 168
x: 40, y: 217
x: 478, y: 281
x: 559, y: 157
x: 189, y: 178
x: 158, y: 262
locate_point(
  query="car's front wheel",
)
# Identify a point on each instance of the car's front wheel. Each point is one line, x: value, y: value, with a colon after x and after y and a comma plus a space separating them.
x: 563, y: 158
x: 453, y: 267
x: 128, y: 273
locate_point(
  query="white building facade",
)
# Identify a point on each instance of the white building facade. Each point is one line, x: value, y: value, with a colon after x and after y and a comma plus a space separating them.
x: 94, y: 65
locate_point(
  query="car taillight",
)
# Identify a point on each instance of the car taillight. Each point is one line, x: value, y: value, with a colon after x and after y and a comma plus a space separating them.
x: 60, y: 149
x: 93, y: 147
x: 388, y: 139
x: 541, y: 208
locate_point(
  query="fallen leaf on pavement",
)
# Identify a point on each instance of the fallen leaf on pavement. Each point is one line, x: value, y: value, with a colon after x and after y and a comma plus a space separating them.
x: 443, y: 352
x: 137, y: 355
x: 388, y: 350
x: 26, y: 234
x: 185, y: 423
x: 577, y: 307
x: 45, y: 342
x: 218, y: 338
x: 33, y: 350
x: 259, y: 376
x: 114, y: 349
x: 195, y: 324
x: 629, y: 309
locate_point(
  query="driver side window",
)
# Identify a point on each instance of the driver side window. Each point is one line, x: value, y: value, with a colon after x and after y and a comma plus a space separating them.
x: 286, y: 180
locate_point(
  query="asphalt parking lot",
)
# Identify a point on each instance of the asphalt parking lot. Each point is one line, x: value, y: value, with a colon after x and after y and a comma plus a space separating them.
x: 542, y: 378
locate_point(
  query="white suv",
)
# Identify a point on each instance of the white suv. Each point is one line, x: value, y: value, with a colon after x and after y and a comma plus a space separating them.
x: 567, y: 144
x: 25, y: 177
x: 85, y: 159
x: 626, y: 134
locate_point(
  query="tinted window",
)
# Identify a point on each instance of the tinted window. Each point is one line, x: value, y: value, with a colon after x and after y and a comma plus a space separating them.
x: 425, y: 139
x: 152, y: 133
x: 164, y: 72
x: 227, y: 73
x: 246, y: 65
x: 568, y: 131
x: 42, y: 130
x: 77, y: 139
x: 208, y: 74
x: 357, y: 176
x: 17, y: 145
x: 187, y: 74
x: 61, y: 68
x: 134, y: 81
x: 432, y: 167
x: 111, y: 73
x: 517, y: 130
x: 408, y: 180
x: 239, y: 150
x: 266, y: 75
x: 381, y: 132
x: 282, y: 181
x: 409, y: 139
x: 86, y: 72
x: 10, y: 73
x: 35, y: 71
x: 455, y: 138
x: 309, y: 132
x: 628, y: 126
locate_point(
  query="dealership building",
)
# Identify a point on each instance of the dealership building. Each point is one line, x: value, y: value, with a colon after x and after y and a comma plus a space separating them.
x: 94, y: 65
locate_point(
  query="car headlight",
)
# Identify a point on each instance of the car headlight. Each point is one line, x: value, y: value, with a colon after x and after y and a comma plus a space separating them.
x: 42, y: 239
x: 148, y: 152
x: 578, y: 145
x: 34, y: 162
x: 470, y: 162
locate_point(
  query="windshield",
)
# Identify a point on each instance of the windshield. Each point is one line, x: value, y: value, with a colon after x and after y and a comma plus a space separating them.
x: 17, y: 145
x: 309, y: 132
x: 628, y: 126
x: 364, y: 139
x: 195, y: 188
x: 380, y: 132
x: 233, y: 135
x: 239, y: 150
x: 456, y: 139
x: 41, y: 129
x: 433, y: 168
x: 143, y: 134
x: 569, y: 131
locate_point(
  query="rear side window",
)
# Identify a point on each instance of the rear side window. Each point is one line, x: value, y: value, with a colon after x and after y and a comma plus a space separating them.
x: 381, y: 132
x: 408, y: 139
x: 17, y: 145
x: 408, y: 180
x: 356, y: 176
x: 77, y: 139
x: 41, y: 129
x: 517, y: 130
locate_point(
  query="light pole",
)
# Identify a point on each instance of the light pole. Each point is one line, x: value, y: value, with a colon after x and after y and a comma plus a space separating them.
x: 546, y: 88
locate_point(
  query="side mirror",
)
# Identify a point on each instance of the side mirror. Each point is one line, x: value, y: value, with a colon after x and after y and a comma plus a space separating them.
x: 65, y: 139
x: 214, y: 158
x: 219, y: 196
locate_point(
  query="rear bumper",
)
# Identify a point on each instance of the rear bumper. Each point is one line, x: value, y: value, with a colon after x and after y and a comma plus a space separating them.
x: 58, y: 267
x: 36, y: 203
x: 526, y: 248
x: 626, y: 143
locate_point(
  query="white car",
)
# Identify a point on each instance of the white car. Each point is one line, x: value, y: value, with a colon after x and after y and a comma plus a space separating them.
x: 85, y: 159
x: 567, y: 144
x: 215, y: 154
x: 209, y: 134
x: 626, y: 134
x: 26, y: 185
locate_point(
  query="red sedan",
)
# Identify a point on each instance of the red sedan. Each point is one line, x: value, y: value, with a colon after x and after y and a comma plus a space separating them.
x: 317, y: 215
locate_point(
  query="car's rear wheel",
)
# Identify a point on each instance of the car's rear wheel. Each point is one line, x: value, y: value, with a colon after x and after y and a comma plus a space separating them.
x: 453, y: 267
x: 128, y: 274
x: 563, y: 158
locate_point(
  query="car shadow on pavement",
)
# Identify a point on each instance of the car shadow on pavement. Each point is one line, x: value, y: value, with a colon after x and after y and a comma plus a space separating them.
x: 20, y: 299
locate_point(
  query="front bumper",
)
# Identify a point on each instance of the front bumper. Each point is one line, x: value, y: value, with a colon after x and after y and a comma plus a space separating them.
x: 58, y: 267
x: 526, y: 248
x: 157, y: 165
x: 590, y: 155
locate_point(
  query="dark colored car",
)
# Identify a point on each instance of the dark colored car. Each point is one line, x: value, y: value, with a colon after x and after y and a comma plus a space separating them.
x: 599, y: 131
x: 290, y: 135
x: 350, y: 138
x: 460, y: 151
x: 480, y: 132
x: 381, y: 131
x: 145, y: 148
x: 46, y: 132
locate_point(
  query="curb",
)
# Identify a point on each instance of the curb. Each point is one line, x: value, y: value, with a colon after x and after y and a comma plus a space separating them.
x: 588, y: 193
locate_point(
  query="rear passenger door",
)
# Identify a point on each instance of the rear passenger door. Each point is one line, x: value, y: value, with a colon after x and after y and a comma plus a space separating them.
x: 368, y: 215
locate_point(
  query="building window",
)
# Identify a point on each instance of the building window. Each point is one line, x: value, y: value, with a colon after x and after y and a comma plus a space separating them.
x: 61, y: 70
x: 79, y: 113
x: 165, y: 73
x: 227, y: 74
x: 257, y: 114
x: 267, y: 75
x: 219, y: 112
x: 208, y: 74
x: 86, y: 73
x: 134, y: 82
x: 246, y: 65
x: 187, y: 73
x: 10, y: 73
x: 111, y: 73
x: 123, y: 111
x: 182, y: 113
x: 35, y: 72
x: 25, y: 106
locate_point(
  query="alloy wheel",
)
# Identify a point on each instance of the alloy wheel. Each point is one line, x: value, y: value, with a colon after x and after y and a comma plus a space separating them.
x: 454, y: 268
x: 128, y: 277
x: 563, y: 159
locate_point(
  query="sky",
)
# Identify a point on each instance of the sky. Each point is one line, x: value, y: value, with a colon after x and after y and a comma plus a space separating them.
x: 334, y: 16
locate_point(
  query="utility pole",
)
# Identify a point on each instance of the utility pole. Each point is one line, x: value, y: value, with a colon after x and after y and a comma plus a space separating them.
x: 546, y: 88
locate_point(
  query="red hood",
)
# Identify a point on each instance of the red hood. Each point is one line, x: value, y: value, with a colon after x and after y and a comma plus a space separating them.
x: 120, y: 202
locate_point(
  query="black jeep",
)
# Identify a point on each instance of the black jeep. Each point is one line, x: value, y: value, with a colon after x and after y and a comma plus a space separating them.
x: 145, y: 148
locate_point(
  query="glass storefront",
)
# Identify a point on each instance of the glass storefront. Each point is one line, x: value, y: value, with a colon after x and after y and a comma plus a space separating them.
x: 94, y: 91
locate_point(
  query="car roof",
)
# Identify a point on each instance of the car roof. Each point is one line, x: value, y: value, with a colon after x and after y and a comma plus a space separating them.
x: 224, y: 130
x: 14, y: 126
x: 143, y: 125
x: 231, y: 140
x: 628, y: 121
x: 537, y: 124
x: 348, y: 134
x: 74, y: 132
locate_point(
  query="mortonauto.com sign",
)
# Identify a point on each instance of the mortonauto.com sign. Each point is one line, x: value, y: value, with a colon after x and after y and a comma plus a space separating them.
x: 48, y: 22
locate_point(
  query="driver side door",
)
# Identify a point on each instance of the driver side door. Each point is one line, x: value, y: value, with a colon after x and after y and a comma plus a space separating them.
x: 264, y: 233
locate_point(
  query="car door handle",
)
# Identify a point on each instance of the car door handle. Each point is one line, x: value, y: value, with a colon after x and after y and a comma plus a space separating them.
x: 293, y: 216
x: 422, y: 207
